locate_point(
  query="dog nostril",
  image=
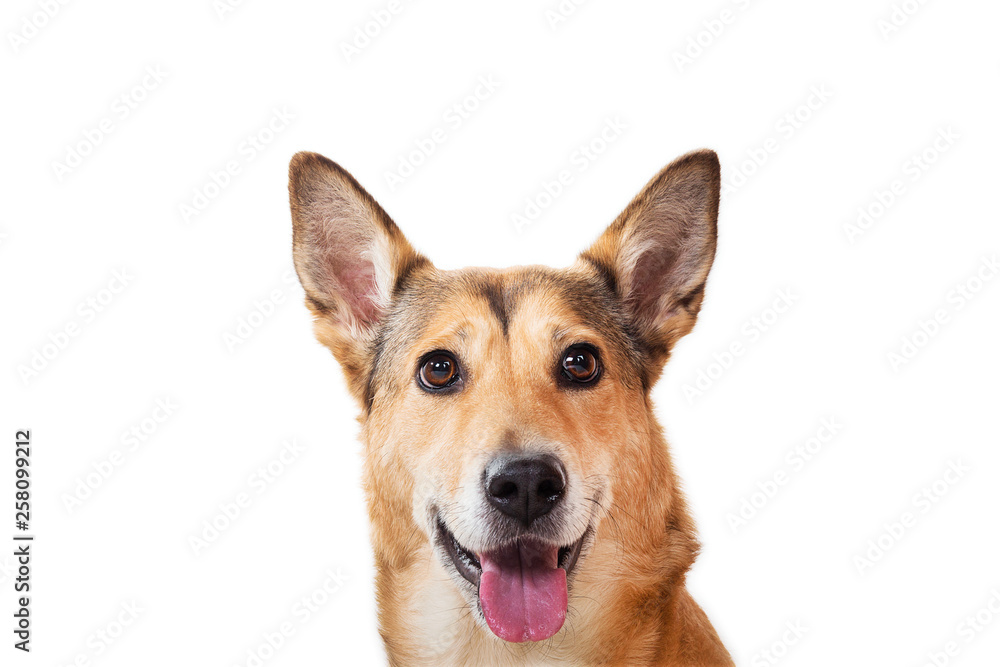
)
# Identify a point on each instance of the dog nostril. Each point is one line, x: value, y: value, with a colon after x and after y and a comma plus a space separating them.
x: 550, y: 488
x: 503, y: 489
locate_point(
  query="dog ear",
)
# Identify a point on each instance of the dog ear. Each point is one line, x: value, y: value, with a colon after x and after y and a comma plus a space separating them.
x: 349, y: 256
x: 658, y: 252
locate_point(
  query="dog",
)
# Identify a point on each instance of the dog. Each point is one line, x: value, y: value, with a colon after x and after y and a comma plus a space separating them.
x: 524, y: 508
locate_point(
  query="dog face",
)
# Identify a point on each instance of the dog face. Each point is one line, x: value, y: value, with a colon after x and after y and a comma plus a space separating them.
x: 504, y: 411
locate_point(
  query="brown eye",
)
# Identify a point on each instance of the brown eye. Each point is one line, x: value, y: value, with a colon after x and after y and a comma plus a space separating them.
x: 580, y: 364
x: 438, y: 371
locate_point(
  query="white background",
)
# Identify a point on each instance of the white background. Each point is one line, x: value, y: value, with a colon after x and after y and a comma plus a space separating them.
x: 885, y: 97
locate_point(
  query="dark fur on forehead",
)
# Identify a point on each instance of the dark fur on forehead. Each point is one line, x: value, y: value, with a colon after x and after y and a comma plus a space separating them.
x: 588, y: 295
x: 500, y: 302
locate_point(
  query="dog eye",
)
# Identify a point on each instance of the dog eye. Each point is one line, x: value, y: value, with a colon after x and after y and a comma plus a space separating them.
x: 580, y: 364
x: 437, y: 371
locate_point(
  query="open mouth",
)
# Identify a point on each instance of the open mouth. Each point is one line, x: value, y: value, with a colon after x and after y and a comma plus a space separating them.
x: 522, y: 586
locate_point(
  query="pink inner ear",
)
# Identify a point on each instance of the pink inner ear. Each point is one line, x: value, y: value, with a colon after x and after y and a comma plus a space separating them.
x: 651, y: 280
x: 657, y: 270
x: 344, y: 266
x: 359, y: 291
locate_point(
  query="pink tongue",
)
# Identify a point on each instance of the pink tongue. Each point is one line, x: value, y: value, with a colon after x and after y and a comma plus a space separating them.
x: 523, y: 592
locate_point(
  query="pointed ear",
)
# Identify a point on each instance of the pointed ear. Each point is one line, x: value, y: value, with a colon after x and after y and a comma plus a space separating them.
x: 349, y: 256
x: 658, y: 252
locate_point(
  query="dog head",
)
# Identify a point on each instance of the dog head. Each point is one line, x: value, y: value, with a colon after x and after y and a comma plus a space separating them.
x: 506, y: 413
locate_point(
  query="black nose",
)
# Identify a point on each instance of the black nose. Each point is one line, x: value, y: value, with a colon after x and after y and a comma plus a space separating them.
x: 525, y: 487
